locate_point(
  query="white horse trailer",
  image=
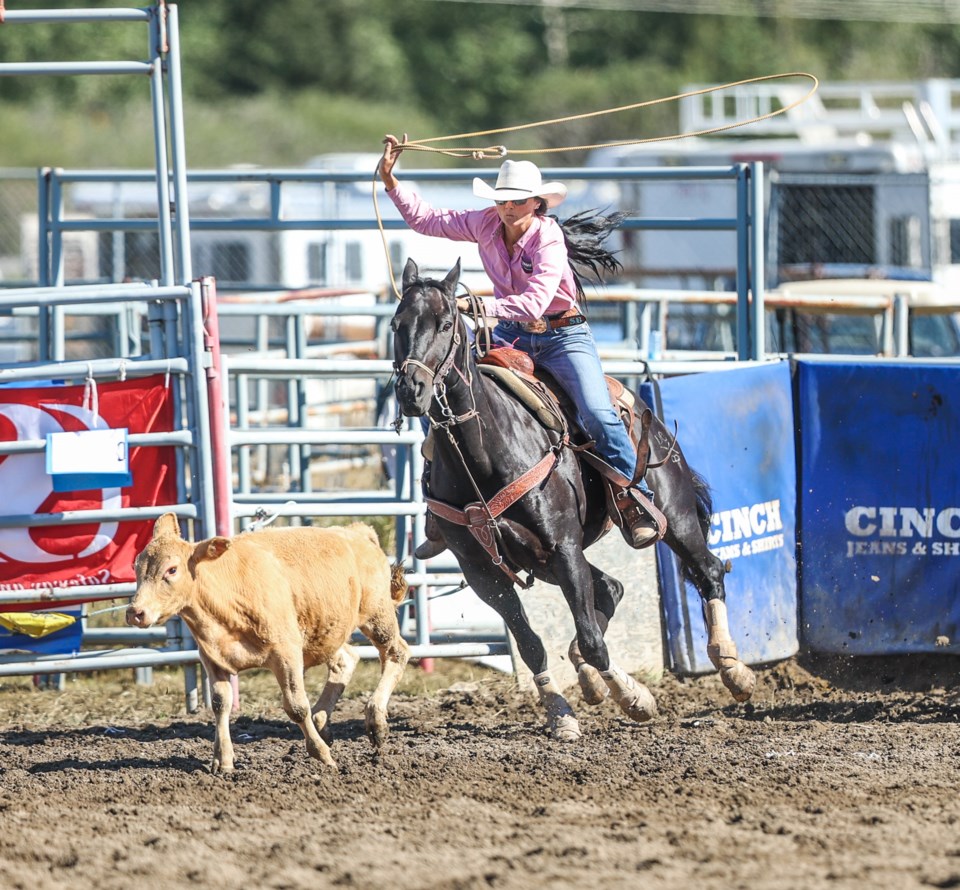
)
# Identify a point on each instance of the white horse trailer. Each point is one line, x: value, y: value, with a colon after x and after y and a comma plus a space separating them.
x: 863, y: 180
x: 837, y: 210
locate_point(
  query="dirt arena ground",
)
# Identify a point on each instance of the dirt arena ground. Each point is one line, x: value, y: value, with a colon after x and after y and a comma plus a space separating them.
x: 839, y: 774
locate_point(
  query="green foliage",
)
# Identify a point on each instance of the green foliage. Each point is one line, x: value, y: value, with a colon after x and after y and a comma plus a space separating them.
x: 275, y: 83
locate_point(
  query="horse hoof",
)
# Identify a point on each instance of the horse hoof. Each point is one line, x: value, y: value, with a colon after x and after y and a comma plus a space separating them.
x: 642, y: 707
x: 740, y: 680
x: 633, y: 698
x: 592, y: 687
x: 566, y: 729
x: 591, y: 683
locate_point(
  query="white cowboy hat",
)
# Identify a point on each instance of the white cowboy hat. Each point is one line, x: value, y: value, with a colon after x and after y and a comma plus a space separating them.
x: 519, y: 180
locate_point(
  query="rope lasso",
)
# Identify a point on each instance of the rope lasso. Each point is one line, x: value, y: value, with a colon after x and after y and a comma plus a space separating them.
x: 500, y: 151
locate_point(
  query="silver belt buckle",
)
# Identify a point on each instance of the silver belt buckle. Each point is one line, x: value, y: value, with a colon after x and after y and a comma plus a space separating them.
x: 535, y: 327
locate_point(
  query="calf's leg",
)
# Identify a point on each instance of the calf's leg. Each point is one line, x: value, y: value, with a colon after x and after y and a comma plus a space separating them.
x: 383, y: 631
x: 289, y: 673
x: 221, y: 696
x: 340, y: 669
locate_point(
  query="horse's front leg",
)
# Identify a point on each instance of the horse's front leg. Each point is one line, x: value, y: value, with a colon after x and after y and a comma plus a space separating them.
x: 607, y: 593
x: 576, y: 579
x: 498, y: 592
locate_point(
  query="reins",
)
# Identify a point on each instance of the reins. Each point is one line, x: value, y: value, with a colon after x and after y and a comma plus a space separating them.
x: 479, y: 516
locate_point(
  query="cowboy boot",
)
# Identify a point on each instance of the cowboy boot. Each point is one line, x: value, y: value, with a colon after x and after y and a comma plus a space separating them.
x: 640, y: 522
x: 434, y: 543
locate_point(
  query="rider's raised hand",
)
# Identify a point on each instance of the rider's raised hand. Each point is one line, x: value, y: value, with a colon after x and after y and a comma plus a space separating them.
x: 392, y: 147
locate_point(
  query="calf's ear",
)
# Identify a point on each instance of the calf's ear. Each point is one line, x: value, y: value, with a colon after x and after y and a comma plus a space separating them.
x: 212, y: 549
x: 167, y: 525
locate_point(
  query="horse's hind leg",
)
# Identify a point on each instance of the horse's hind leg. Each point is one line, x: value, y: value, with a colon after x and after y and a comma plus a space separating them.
x: 706, y: 572
x: 498, y: 592
x: 685, y: 497
x: 722, y: 650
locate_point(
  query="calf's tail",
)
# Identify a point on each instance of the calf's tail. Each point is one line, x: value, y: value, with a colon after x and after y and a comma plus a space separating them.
x: 398, y: 583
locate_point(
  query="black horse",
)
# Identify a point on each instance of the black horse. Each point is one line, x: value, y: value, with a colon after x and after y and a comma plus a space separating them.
x: 511, y: 496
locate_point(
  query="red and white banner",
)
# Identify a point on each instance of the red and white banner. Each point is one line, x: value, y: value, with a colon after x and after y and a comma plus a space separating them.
x: 93, y: 552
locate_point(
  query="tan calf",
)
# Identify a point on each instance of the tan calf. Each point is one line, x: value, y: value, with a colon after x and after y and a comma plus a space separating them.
x: 282, y: 599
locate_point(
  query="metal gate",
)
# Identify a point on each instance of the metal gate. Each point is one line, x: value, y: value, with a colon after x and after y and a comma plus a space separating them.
x: 171, y: 309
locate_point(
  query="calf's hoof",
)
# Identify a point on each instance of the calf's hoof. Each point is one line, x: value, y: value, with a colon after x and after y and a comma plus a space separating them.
x: 322, y: 721
x: 376, y: 726
x: 322, y: 753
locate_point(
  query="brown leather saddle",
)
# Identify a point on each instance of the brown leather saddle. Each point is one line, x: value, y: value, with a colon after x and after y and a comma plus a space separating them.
x: 539, y: 392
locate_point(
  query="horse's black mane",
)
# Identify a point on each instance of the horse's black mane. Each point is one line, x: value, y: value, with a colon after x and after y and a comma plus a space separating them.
x: 584, y: 234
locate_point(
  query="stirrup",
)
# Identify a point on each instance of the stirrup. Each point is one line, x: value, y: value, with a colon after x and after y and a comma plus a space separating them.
x: 640, y: 522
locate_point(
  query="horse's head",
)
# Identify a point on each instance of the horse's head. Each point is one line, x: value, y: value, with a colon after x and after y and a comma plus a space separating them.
x: 426, y: 332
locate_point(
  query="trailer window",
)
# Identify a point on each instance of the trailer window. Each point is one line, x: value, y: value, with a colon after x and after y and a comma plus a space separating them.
x: 819, y: 224
x: 932, y: 336
x: 224, y: 260
x: 353, y: 261
x: 955, y: 240
x: 128, y: 256
x: 317, y: 263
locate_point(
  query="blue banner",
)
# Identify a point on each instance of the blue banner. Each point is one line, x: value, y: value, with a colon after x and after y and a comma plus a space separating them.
x: 736, y: 429
x: 880, y: 507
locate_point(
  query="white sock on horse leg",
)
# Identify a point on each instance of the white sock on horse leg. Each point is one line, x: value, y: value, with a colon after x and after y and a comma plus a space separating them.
x: 560, y: 717
x: 722, y: 651
x: 634, y: 699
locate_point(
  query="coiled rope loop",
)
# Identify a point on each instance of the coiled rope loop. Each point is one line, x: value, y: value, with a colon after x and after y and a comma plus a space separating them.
x: 480, y: 153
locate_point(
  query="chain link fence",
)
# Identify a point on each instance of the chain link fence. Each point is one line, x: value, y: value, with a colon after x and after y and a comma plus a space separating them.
x: 849, y: 225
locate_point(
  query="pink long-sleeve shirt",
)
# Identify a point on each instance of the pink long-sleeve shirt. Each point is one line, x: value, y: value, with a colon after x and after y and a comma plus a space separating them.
x: 535, y: 280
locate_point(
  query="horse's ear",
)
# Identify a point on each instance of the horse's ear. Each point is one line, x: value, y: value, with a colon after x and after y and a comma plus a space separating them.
x: 410, y: 273
x: 453, y: 276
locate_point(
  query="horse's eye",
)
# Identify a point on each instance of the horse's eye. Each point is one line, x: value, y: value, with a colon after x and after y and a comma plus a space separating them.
x: 446, y: 327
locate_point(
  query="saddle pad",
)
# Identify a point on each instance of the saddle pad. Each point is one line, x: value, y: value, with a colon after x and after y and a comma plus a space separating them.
x: 513, y: 382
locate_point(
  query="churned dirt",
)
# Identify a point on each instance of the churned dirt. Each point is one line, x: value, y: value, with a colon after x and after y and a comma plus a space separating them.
x: 839, y: 774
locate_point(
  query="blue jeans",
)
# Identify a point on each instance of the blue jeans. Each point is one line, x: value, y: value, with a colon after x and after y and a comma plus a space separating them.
x: 570, y: 355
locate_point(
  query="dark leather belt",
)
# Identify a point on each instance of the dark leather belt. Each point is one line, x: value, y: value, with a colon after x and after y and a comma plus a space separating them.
x: 542, y: 325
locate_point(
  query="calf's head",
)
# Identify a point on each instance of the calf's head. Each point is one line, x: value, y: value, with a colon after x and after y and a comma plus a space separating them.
x: 166, y: 572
